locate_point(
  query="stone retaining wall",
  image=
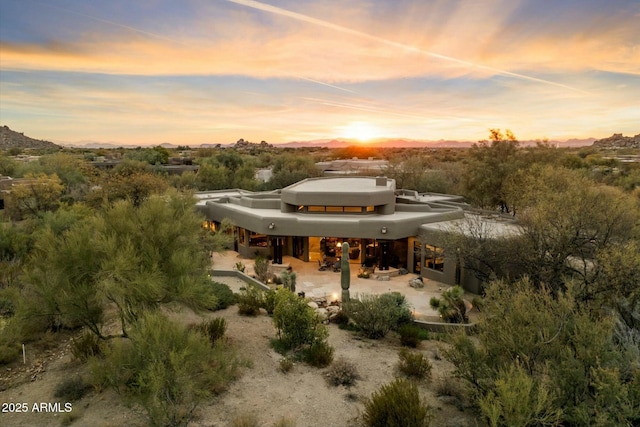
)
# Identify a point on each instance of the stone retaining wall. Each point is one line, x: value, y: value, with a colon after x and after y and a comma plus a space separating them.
x: 240, y: 275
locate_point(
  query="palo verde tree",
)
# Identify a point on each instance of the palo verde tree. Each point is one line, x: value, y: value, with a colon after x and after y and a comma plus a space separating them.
x: 35, y: 195
x: 130, y: 180
x: 127, y: 257
x: 166, y: 369
x: 545, y: 359
x: 491, y: 164
x: 568, y: 223
x: 289, y: 169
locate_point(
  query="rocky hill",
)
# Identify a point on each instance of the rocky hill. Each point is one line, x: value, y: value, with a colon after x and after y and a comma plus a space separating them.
x: 13, y: 139
x: 618, y: 141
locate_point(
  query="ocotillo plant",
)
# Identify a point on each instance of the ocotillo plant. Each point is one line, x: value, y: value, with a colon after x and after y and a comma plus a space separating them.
x: 345, y: 272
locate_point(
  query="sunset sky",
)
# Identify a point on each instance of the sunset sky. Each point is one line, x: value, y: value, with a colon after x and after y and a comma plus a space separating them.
x: 214, y: 71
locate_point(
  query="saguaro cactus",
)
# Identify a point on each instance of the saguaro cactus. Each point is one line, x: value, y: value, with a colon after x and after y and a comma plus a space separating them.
x: 345, y: 272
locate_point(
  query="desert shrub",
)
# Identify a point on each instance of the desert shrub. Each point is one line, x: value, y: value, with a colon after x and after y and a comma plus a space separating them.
x: 376, y: 315
x: 213, y: 329
x: 261, y: 268
x: 71, y: 389
x: 414, y: 364
x: 478, y: 303
x: 249, y: 301
x: 343, y: 373
x: 401, y: 310
x: 269, y: 301
x: 246, y: 420
x: 318, y: 354
x: 165, y: 369
x: 409, y: 335
x: 450, y: 386
x: 279, y: 346
x: 8, y: 297
x: 288, y: 279
x: 69, y: 418
x: 519, y: 401
x: 296, y: 322
x: 10, y: 340
x: 86, y: 346
x: 451, y: 306
x: 397, y: 404
x: 341, y: 318
x: 9, y: 352
x: 286, y: 365
x: 223, y: 294
x: 284, y: 422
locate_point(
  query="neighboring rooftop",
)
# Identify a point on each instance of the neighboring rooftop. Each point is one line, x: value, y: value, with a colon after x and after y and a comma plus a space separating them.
x: 479, y: 225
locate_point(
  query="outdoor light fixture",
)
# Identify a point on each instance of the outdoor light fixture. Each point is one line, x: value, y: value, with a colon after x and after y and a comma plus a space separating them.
x: 384, y: 230
x: 272, y: 226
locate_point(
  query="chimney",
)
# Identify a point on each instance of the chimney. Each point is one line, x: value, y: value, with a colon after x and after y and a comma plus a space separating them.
x: 381, y: 181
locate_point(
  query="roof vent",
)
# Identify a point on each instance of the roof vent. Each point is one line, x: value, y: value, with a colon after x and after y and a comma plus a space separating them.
x: 381, y: 181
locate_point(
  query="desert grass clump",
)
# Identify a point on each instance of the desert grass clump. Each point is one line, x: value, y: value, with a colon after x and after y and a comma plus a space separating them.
x: 71, y: 389
x: 223, y: 294
x: 341, y: 318
x: 269, y: 301
x: 246, y: 420
x: 451, y: 387
x: 397, y: 404
x: 319, y: 354
x: 286, y: 365
x: 213, y: 329
x: 86, y: 346
x: 285, y: 422
x: 70, y: 417
x: 409, y: 335
x: 250, y: 299
x: 414, y: 364
x: 342, y: 372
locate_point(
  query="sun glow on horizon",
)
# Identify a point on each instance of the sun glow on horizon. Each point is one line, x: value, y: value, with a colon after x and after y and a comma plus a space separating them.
x: 361, y: 131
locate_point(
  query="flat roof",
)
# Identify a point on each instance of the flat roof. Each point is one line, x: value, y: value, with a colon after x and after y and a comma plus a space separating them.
x: 476, y: 224
x: 354, y: 184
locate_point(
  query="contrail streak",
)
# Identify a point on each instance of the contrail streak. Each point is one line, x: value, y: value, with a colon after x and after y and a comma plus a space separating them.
x: 325, y: 84
x: 321, y: 23
x: 161, y: 37
x: 115, y: 24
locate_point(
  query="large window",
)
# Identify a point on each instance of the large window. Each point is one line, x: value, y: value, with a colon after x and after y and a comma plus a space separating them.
x: 259, y: 240
x: 336, y: 209
x: 434, y: 257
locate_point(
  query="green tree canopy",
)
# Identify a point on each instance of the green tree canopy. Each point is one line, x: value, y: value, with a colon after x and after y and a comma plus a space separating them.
x: 127, y: 257
x: 543, y: 359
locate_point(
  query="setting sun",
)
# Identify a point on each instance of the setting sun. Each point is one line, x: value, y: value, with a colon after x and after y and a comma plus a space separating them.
x: 362, y: 131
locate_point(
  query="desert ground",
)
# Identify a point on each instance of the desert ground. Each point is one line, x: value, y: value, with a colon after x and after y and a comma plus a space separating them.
x: 301, y: 397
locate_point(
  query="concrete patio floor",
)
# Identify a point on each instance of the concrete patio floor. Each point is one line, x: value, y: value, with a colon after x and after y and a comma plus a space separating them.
x: 326, y: 283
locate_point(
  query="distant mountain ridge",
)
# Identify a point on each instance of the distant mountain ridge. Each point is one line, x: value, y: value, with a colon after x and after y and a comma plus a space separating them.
x: 618, y: 141
x: 12, y: 139
x: 414, y: 143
